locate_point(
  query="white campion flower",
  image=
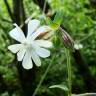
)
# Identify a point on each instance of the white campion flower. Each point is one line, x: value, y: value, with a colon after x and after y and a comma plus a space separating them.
x: 29, y: 48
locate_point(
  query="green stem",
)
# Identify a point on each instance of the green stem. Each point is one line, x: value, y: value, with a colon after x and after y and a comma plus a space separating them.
x: 69, y: 71
x: 43, y: 77
x: 44, y: 7
x: 86, y: 37
x: 86, y: 94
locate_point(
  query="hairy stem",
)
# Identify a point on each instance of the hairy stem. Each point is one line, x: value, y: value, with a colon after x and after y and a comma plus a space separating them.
x: 69, y: 71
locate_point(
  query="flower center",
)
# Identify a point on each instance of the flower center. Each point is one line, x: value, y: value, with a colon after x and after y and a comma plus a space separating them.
x: 27, y: 44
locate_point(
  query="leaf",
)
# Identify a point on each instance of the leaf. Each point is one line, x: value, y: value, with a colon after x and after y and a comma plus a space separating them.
x: 56, y: 22
x: 63, y: 87
x: 51, y: 23
x: 58, y: 18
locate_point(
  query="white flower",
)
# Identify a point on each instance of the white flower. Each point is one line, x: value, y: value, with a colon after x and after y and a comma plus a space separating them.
x: 29, y: 48
x: 78, y: 46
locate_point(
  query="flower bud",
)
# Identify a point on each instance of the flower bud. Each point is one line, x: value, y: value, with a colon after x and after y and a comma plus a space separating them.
x: 68, y: 41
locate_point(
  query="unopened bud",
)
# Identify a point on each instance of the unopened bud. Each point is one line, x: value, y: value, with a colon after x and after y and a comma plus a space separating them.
x: 68, y: 41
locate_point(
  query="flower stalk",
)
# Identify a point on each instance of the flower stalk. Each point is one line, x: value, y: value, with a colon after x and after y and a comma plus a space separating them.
x: 69, y: 43
x: 69, y: 71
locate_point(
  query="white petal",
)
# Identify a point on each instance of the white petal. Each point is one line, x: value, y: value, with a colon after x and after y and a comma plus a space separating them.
x: 27, y: 62
x: 36, y: 59
x: 21, y: 54
x: 43, y: 43
x: 43, y: 52
x: 33, y: 36
x: 39, y: 31
x: 32, y: 26
x: 43, y: 29
x: 17, y: 33
x: 15, y: 48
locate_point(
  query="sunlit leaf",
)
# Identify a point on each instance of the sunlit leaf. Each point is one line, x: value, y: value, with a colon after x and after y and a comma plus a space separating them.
x: 58, y: 18
x: 56, y: 22
x: 63, y: 87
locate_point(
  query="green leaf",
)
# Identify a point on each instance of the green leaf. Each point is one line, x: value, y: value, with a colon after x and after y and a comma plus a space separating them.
x: 63, y: 87
x: 52, y: 24
x: 56, y: 22
x: 58, y: 18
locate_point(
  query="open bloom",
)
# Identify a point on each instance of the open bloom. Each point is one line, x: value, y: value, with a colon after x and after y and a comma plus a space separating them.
x: 29, y: 48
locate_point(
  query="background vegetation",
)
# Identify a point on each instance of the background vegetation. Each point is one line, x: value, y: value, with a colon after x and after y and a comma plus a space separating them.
x: 79, y: 20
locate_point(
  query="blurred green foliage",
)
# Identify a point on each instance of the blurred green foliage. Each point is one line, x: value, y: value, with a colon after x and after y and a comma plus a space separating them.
x: 79, y: 19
